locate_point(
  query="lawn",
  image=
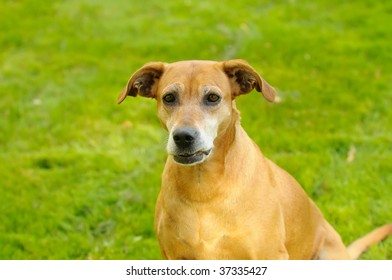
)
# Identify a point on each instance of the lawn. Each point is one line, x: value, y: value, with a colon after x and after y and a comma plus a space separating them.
x: 79, y: 174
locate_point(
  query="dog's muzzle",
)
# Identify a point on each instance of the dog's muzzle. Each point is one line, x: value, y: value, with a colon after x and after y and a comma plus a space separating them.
x: 189, y: 147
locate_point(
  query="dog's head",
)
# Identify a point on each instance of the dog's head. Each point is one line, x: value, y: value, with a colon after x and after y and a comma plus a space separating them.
x: 195, y: 100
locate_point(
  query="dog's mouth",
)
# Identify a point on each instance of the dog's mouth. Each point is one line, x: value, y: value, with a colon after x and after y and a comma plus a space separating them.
x: 192, y: 159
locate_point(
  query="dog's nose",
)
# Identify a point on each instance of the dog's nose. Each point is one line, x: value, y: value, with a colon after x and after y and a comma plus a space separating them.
x: 184, y: 137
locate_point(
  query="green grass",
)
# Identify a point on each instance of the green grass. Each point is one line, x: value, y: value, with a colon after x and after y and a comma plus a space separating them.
x: 79, y: 175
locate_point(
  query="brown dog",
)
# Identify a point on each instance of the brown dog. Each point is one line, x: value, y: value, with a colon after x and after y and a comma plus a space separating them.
x: 220, y: 197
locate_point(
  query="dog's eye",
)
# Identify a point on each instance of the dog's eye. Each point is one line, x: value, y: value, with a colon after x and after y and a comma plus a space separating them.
x: 169, y: 98
x: 212, y: 98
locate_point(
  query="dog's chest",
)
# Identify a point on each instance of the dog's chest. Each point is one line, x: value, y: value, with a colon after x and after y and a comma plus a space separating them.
x: 202, y: 232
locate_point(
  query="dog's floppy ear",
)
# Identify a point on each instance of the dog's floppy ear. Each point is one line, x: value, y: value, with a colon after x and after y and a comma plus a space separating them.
x: 244, y: 79
x: 143, y: 81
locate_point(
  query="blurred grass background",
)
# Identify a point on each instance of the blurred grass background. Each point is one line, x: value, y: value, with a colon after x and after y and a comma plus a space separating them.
x: 79, y: 175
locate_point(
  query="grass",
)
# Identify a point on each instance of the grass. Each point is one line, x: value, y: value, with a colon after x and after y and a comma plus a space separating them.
x: 79, y: 175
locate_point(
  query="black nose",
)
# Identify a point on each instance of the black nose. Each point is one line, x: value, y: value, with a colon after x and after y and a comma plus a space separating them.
x: 184, y: 137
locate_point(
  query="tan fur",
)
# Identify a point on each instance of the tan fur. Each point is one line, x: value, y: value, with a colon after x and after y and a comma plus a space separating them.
x: 235, y: 203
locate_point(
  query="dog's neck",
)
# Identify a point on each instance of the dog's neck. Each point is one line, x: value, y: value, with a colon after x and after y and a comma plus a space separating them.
x: 201, y: 182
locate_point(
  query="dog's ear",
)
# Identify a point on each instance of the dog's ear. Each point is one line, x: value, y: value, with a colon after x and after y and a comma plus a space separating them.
x: 143, y: 81
x: 244, y: 79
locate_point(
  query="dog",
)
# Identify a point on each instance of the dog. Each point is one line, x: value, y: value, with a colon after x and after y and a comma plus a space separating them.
x: 221, y: 198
